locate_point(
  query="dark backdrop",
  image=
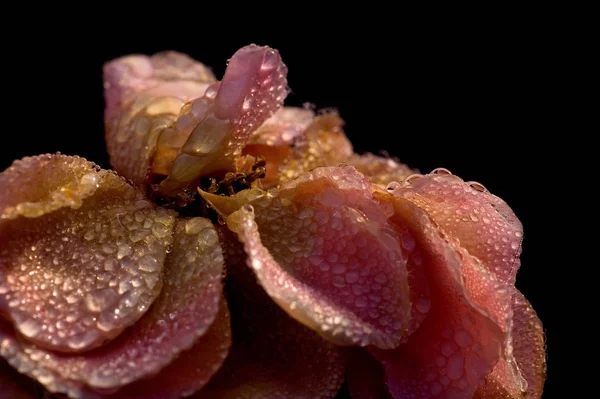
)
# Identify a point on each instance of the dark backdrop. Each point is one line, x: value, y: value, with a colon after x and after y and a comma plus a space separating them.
x: 477, y: 101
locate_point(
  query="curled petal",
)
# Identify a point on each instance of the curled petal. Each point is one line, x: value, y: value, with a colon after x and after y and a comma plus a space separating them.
x: 483, y: 223
x: 528, y: 349
x: 252, y: 89
x: 82, y: 252
x: 323, y: 249
x: 185, y: 309
x: 463, y: 334
x: 275, y: 138
x: 144, y: 96
x: 283, y: 127
x: 380, y: 170
x: 273, y: 356
x: 191, y: 370
x: 365, y: 376
x: 323, y: 143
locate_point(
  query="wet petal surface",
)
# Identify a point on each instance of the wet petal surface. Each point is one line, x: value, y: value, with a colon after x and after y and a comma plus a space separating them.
x: 275, y: 139
x: 184, y: 311
x: 323, y: 143
x: 273, y: 356
x: 144, y: 96
x: 528, y: 349
x: 380, y: 170
x: 191, y: 370
x: 84, y: 261
x: 322, y: 248
x: 253, y: 88
x: 463, y: 334
x: 482, y: 222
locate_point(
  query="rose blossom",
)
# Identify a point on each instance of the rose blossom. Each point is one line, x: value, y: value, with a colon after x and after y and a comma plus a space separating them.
x: 227, y: 258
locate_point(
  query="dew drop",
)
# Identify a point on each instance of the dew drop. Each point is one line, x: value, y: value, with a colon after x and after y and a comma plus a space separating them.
x: 148, y: 264
x: 30, y: 327
x: 423, y: 305
x: 101, y: 299
x: 196, y: 225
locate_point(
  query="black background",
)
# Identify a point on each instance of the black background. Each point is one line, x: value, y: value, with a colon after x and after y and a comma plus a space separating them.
x: 481, y: 100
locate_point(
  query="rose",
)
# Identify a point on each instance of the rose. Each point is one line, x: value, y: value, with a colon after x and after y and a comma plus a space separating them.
x: 401, y: 283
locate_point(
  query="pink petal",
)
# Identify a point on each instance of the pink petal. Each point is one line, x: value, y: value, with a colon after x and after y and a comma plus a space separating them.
x: 380, y: 170
x: 528, y: 349
x: 482, y: 222
x: 191, y: 370
x: 253, y: 88
x: 462, y: 336
x: 323, y: 249
x: 144, y: 95
x: 283, y: 127
x: 273, y: 356
x: 185, y: 309
x: 274, y: 140
x: 365, y: 377
x: 82, y: 252
x: 323, y: 143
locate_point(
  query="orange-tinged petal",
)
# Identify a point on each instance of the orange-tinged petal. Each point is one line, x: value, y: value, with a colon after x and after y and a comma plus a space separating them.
x: 528, y: 349
x: 483, y: 223
x: 380, y: 170
x: 324, y: 143
x: 253, y: 88
x: 144, y: 96
x: 191, y: 370
x: 322, y: 248
x: 463, y: 334
x: 81, y: 254
x: 184, y: 311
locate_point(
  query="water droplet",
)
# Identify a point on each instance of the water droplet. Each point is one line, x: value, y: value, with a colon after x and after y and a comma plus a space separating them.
x: 124, y: 250
x: 138, y: 234
x: 160, y: 230
x: 196, y: 225
x: 423, y: 305
x: 99, y: 300
x: 148, y: 264
x: 208, y: 238
x: 352, y: 277
x: 30, y: 327
x: 82, y: 340
x: 339, y: 268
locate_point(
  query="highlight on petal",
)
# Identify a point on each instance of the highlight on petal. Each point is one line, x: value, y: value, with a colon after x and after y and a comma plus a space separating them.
x: 380, y: 170
x: 187, y: 306
x: 144, y: 96
x: 464, y: 332
x: 322, y: 248
x: 272, y: 356
x: 253, y: 88
x: 191, y: 370
x: 81, y: 254
x: 528, y: 349
x: 274, y: 140
x: 323, y: 143
x: 483, y: 223
x: 365, y: 376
